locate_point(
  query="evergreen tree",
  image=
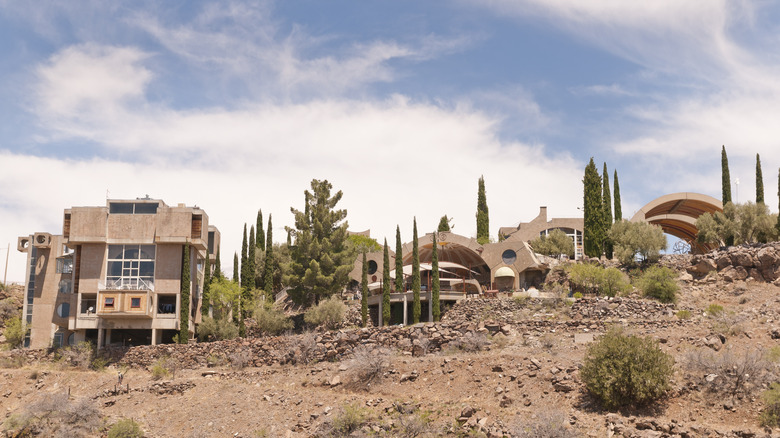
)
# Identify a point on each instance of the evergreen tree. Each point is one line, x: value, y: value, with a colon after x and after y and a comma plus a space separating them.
x: 244, y: 272
x: 399, y: 262
x: 444, y: 223
x: 289, y: 238
x: 320, y: 259
x: 416, y: 307
x: 235, y: 267
x: 618, y: 207
x: 607, y: 205
x: 435, y: 282
x: 594, y: 224
x: 268, y: 272
x: 759, y: 182
x: 386, y: 287
x: 246, y: 286
x: 184, y: 311
x: 218, y: 266
x: 251, y: 261
x: 205, y: 297
x: 260, y: 233
x: 364, y: 292
x: 483, y: 220
x: 725, y: 178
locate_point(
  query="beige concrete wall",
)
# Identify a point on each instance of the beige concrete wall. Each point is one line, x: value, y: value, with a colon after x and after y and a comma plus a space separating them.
x: 167, y: 276
x: 93, y: 267
x: 131, y: 228
x: 88, y: 224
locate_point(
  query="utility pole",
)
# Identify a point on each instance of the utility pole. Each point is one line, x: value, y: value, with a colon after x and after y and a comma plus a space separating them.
x: 7, y: 253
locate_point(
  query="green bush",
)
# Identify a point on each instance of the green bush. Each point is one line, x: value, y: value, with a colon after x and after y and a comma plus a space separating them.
x: 613, y: 282
x: 212, y: 329
x: 636, y: 241
x: 553, y: 244
x: 125, y: 428
x: 14, y: 332
x: 684, y: 314
x: 659, y: 283
x: 622, y: 370
x: 160, y: 369
x: 770, y: 416
x: 577, y: 295
x: 715, y: 309
x: 329, y: 312
x: 597, y: 280
x: 271, y: 321
x: 9, y: 308
x: 351, y: 418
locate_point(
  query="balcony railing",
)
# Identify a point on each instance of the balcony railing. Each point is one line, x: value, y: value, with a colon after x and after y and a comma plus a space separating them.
x: 127, y: 283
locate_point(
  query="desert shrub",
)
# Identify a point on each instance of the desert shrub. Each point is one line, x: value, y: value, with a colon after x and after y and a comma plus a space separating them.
x: 613, y: 282
x: 350, y: 418
x: 14, y: 332
x: 304, y: 348
x: 770, y: 415
x: 9, y: 308
x: 55, y: 415
x: 577, y: 295
x: 727, y: 322
x: 684, y: 314
x: 499, y: 341
x: 368, y: 364
x: 125, y: 428
x: 636, y: 241
x: 714, y: 309
x: 473, y: 341
x: 78, y: 356
x: 773, y: 354
x: 412, y: 422
x: 329, y: 312
x: 585, y: 277
x: 160, y: 369
x: 548, y: 341
x: 623, y: 369
x: 272, y: 320
x: 547, y: 424
x: 240, y: 359
x: 659, y: 282
x: 733, y: 373
x: 740, y: 223
x: 217, y: 329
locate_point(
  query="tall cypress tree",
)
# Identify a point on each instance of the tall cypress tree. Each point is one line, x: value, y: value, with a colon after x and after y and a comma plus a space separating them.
x: 483, y: 220
x: 759, y: 182
x: 251, y: 261
x: 364, y: 292
x: 245, y: 276
x: 260, y: 243
x: 606, y: 202
x: 244, y: 273
x: 184, y: 311
x: 268, y: 272
x: 218, y: 266
x: 416, y: 307
x: 235, y: 267
x: 399, y: 262
x: 594, y: 211
x: 205, y: 298
x: 386, y: 287
x: 289, y: 238
x: 725, y: 178
x: 435, y: 281
x: 618, y: 207
x: 444, y: 223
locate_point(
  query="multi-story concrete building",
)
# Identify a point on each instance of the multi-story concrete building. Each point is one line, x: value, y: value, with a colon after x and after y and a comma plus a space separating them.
x: 114, y: 274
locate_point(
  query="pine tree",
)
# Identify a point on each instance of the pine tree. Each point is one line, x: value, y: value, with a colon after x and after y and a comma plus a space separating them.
x: 759, y: 182
x: 235, y: 267
x: 386, y: 287
x: 364, y: 292
x: 205, y: 297
x: 268, y: 283
x: 260, y: 233
x: 606, y: 202
x: 436, y: 311
x: 218, y: 266
x: 184, y: 311
x: 594, y: 224
x: 618, y: 207
x: 399, y: 262
x: 444, y: 223
x: 725, y: 178
x: 416, y: 307
x: 483, y: 220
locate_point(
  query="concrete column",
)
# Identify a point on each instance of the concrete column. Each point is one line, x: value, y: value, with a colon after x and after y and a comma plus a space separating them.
x: 430, y: 306
x: 154, y: 336
x: 108, y: 336
x: 380, y: 313
x: 405, y: 311
x: 100, y: 338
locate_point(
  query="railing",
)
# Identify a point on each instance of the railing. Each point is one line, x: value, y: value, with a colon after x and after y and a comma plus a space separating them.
x: 127, y: 283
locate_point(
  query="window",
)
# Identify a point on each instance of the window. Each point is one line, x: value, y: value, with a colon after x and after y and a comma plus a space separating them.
x: 372, y: 267
x: 63, y: 310
x: 109, y: 302
x: 65, y: 265
x: 133, y: 207
x: 509, y: 256
x: 130, y: 267
x: 65, y: 286
x: 57, y: 341
x: 135, y: 303
x: 166, y: 304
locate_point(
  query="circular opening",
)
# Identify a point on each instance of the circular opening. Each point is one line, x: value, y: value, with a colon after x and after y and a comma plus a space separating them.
x: 372, y: 267
x: 72, y: 339
x: 509, y: 256
x: 63, y: 310
x: 41, y: 238
x: 25, y: 243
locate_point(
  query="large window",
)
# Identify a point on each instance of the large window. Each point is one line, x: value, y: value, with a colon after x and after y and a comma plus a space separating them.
x: 65, y: 265
x: 132, y: 207
x: 130, y: 267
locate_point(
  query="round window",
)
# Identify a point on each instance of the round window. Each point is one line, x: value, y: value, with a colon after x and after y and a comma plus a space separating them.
x: 509, y: 256
x: 372, y: 267
x: 63, y: 310
x: 72, y: 339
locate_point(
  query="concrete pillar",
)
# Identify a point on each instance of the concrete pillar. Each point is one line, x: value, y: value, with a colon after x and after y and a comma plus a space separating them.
x: 405, y: 311
x: 154, y: 336
x: 430, y: 306
x: 380, y: 313
x: 108, y: 336
x: 100, y: 338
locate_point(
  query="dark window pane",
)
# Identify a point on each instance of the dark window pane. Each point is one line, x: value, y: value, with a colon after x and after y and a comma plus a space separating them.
x: 147, y: 252
x: 131, y: 252
x: 146, y: 208
x: 114, y: 269
x: 147, y: 269
x: 135, y: 302
x: 120, y: 208
x: 115, y: 251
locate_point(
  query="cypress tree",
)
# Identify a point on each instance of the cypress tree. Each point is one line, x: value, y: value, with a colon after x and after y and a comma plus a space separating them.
x: 205, y: 298
x: 245, y: 276
x: 594, y: 211
x: 607, y: 205
x: 759, y: 182
x: 618, y: 207
x: 386, y: 287
x: 218, y: 266
x: 436, y: 310
x: 444, y: 224
x: 268, y: 272
x: 399, y: 262
x: 289, y: 238
x: 251, y: 261
x: 416, y: 307
x: 244, y: 273
x: 725, y: 178
x: 260, y: 233
x: 235, y: 267
x: 364, y: 291
x: 184, y: 311
x: 483, y: 220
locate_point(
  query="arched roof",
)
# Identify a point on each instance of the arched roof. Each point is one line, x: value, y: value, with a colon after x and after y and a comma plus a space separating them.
x: 676, y: 214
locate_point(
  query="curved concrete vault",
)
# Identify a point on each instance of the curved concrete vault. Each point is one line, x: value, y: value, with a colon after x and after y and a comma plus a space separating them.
x: 676, y: 214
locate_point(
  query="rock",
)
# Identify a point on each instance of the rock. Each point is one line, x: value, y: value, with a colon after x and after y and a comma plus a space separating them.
x: 702, y: 268
x: 583, y: 338
x: 467, y: 412
x: 536, y: 364
x: 335, y: 381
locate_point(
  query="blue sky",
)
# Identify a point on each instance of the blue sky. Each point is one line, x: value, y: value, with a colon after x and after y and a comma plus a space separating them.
x: 235, y: 106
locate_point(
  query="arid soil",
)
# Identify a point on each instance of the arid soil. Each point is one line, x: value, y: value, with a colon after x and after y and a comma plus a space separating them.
x: 529, y: 375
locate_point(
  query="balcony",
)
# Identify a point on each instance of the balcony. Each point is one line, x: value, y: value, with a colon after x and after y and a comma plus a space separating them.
x: 125, y: 303
x: 127, y: 283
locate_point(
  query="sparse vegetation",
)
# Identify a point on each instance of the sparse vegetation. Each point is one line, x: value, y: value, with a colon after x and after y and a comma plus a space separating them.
x: 240, y: 359
x: 770, y: 415
x: 659, y: 282
x: 733, y: 373
x: 216, y: 329
x: 55, y: 415
x: 684, y: 314
x: 350, y: 418
x: 160, y: 369
x: 547, y: 424
x: 125, y: 428
x: 621, y: 369
x: 14, y: 332
x: 328, y: 312
x: 271, y: 320
x: 472, y: 342
x: 714, y: 309
x: 79, y: 356
x: 368, y: 364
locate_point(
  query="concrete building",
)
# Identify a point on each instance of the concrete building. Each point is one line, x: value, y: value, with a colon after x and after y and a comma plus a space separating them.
x: 114, y: 274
